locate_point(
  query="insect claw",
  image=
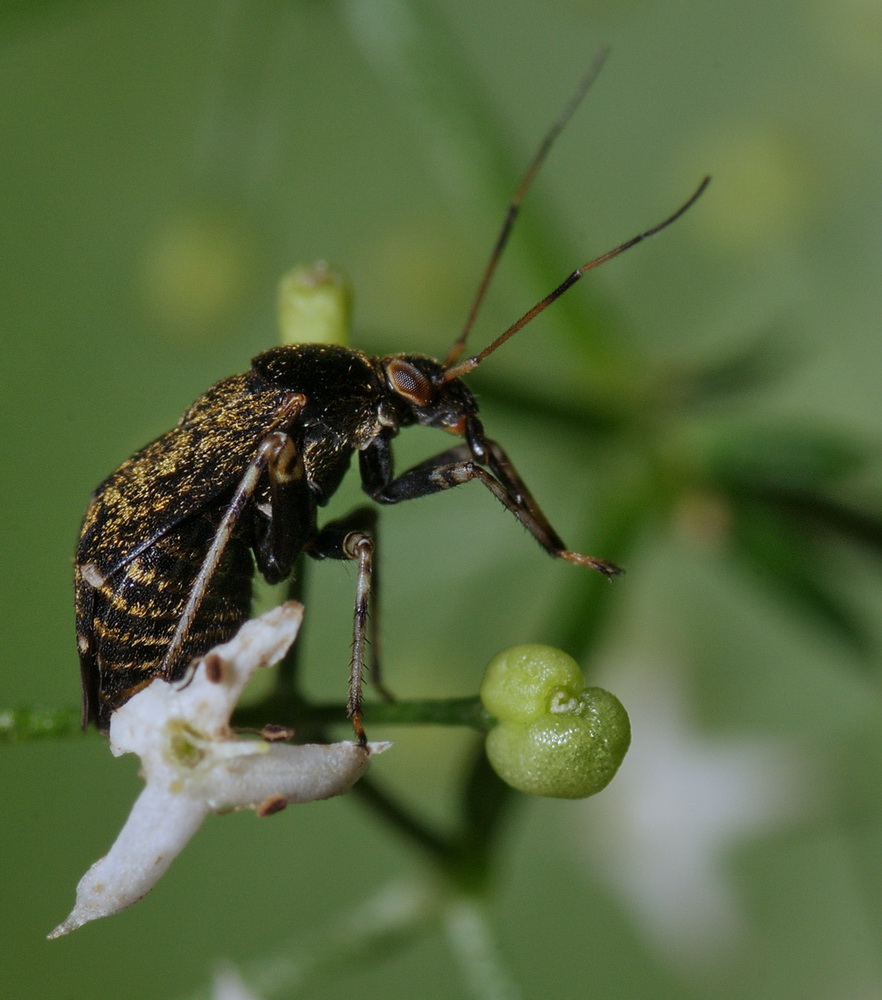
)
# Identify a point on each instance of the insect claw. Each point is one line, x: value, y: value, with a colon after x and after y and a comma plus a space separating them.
x: 358, y: 727
x: 608, y: 569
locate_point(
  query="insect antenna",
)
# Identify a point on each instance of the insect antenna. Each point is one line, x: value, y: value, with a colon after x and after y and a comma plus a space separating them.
x: 514, y: 205
x: 463, y: 367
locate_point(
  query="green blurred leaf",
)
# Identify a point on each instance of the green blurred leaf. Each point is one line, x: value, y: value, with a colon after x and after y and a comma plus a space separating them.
x: 750, y: 459
x: 789, y: 560
x: 827, y: 513
x: 751, y: 366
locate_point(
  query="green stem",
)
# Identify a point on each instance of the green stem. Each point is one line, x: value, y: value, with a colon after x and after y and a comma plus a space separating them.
x: 24, y: 725
x: 284, y: 707
x: 404, y: 821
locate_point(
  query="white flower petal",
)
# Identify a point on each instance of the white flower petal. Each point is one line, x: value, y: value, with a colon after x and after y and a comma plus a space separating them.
x: 207, y: 697
x: 293, y: 773
x: 158, y: 827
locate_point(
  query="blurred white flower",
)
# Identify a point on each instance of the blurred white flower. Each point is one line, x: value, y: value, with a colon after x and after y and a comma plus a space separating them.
x: 194, y: 764
x: 683, y: 801
x: 229, y: 985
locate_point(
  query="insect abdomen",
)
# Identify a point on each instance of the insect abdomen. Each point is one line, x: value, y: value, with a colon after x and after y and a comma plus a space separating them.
x: 129, y: 619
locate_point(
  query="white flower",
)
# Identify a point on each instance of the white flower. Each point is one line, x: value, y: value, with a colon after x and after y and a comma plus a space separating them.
x: 194, y: 764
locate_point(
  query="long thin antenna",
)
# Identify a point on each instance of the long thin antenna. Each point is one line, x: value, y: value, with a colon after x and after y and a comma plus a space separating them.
x: 515, y: 204
x: 470, y: 364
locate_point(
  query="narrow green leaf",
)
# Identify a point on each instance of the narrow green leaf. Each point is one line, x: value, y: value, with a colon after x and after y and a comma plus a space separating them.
x: 792, y: 563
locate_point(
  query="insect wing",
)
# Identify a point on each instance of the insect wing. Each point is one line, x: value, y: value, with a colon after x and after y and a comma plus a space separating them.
x: 182, y: 472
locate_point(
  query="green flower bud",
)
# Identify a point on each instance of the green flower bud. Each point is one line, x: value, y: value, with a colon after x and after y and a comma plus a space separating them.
x: 555, y: 737
x: 315, y: 306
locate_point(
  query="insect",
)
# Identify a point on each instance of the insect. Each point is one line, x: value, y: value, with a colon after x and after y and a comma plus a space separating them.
x: 171, y: 540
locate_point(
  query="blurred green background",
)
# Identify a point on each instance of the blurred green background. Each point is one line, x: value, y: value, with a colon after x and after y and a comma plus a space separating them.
x: 162, y: 164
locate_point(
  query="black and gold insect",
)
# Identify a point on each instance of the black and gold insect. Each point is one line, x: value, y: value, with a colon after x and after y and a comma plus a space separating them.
x: 171, y: 540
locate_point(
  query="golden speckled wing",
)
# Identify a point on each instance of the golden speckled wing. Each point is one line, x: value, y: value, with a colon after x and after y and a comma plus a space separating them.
x: 181, y: 472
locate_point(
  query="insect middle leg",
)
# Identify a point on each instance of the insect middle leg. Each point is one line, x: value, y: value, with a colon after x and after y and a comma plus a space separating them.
x: 354, y: 537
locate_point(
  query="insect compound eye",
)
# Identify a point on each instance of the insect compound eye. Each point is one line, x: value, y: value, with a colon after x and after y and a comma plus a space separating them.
x: 408, y: 381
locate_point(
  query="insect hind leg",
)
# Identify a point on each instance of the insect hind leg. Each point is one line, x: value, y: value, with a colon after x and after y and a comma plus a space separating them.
x: 270, y: 448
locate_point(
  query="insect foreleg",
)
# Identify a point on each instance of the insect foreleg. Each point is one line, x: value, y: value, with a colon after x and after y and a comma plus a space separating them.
x: 501, y: 466
x: 458, y: 465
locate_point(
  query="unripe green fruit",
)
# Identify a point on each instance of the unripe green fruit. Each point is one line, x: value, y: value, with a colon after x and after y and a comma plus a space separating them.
x: 522, y: 682
x: 555, y: 737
